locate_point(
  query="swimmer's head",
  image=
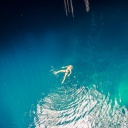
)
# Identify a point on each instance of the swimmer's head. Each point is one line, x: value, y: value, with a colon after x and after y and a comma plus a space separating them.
x: 70, y: 66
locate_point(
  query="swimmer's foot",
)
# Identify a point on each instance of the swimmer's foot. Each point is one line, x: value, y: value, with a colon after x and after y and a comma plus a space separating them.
x: 55, y: 73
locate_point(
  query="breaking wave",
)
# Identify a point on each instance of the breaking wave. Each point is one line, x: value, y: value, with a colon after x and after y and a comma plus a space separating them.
x: 73, y: 107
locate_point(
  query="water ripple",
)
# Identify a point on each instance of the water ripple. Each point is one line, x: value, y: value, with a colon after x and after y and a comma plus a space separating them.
x: 70, y: 107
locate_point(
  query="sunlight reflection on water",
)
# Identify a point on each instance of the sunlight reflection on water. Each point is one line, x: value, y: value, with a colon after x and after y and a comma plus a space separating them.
x: 71, y: 107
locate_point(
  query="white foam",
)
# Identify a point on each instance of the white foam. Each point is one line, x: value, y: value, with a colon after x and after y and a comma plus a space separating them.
x: 79, y: 108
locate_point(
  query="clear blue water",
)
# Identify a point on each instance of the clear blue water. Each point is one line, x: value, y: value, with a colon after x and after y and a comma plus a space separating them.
x: 32, y: 96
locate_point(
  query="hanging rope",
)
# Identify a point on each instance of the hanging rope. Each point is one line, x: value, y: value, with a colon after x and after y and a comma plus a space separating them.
x: 69, y: 6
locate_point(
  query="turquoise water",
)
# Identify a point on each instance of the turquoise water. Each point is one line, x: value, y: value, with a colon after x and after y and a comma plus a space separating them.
x: 32, y: 96
x: 79, y: 108
x: 96, y: 93
x: 94, y: 96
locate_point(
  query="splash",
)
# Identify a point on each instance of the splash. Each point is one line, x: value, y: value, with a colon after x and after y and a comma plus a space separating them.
x: 69, y: 6
x: 72, y: 107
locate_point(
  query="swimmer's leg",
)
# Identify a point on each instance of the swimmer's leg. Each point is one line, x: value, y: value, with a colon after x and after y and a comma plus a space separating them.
x: 56, y: 72
x: 64, y: 78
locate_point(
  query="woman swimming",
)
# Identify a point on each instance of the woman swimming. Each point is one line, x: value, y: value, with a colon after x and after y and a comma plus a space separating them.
x: 67, y: 71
